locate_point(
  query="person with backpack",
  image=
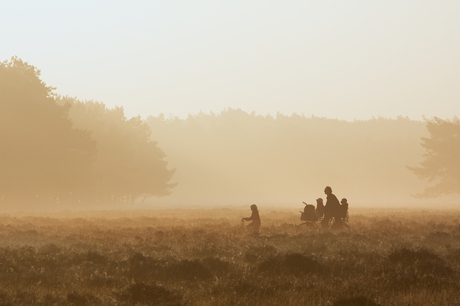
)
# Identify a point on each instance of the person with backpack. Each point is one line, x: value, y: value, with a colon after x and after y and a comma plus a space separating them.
x: 255, y: 218
x: 331, y: 209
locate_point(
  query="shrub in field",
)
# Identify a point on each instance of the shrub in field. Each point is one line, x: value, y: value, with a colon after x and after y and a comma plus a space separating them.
x: 30, y: 297
x: 355, y: 301
x: 437, y: 237
x: 26, y: 265
x: 217, y: 265
x: 454, y: 256
x: 408, y: 256
x: 79, y: 299
x: 150, y: 295
x: 145, y: 267
x: 254, y: 254
x: 411, y: 268
x: 51, y: 299
x: 142, y: 266
x: 96, y: 258
x: 190, y: 270
x: 21, y: 297
x: 294, y: 263
x: 423, y: 260
x: 4, y: 300
x: 50, y: 249
x: 244, y: 288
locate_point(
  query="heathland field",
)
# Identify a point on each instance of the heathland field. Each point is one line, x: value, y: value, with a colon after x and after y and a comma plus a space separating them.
x: 205, y: 257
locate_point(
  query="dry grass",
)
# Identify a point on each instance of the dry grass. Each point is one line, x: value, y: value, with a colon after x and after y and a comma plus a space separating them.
x: 205, y: 257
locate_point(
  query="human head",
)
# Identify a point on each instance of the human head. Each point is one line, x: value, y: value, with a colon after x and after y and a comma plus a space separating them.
x: 328, y: 190
x: 343, y: 201
x: 319, y: 201
x: 254, y: 207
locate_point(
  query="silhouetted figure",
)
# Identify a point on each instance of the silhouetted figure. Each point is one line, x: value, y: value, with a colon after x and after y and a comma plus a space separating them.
x: 255, y: 218
x: 344, y: 208
x: 319, y: 208
x: 331, y: 209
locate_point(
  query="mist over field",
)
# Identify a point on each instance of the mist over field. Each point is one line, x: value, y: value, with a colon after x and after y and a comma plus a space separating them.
x: 234, y: 157
x: 60, y: 152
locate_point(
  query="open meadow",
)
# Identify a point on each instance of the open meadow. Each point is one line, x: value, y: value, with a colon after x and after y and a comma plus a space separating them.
x: 205, y: 257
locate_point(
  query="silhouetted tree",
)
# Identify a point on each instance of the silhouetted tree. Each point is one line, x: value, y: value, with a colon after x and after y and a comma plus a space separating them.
x: 442, y: 164
x: 42, y: 157
x: 129, y: 164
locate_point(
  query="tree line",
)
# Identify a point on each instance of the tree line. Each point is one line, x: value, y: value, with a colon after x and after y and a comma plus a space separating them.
x: 58, y: 150
x: 236, y: 157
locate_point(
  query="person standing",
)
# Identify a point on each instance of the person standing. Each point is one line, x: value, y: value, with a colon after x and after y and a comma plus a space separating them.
x: 331, y: 209
x: 255, y: 218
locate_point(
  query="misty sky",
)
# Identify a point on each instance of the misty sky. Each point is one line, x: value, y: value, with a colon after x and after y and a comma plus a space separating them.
x: 337, y: 59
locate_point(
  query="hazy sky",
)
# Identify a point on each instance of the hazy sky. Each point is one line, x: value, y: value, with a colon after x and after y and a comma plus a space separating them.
x: 338, y: 59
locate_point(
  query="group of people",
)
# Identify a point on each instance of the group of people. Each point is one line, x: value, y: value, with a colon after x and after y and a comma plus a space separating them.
x: 332, y: 210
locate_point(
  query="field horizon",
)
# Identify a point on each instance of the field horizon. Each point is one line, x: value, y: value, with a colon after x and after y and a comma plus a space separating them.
x: 451, y: 204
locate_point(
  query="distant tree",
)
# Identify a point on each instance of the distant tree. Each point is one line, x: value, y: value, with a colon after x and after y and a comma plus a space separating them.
x: 442, y: 164
x: 42, y: 157
x: 129, y: 164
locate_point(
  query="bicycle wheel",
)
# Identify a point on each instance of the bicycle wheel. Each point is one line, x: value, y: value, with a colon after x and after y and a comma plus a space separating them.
x: 310, y: 226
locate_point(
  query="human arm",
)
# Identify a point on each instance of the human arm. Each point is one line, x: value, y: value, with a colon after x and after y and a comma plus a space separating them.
x: 250, y: 218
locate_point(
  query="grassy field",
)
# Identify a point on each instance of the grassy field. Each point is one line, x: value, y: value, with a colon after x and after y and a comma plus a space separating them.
x: 205, y: 257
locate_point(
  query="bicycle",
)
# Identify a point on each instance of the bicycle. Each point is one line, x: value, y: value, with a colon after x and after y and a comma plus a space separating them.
x: 310, y: 222
x: 309, y: 217
x: 336, y: 225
